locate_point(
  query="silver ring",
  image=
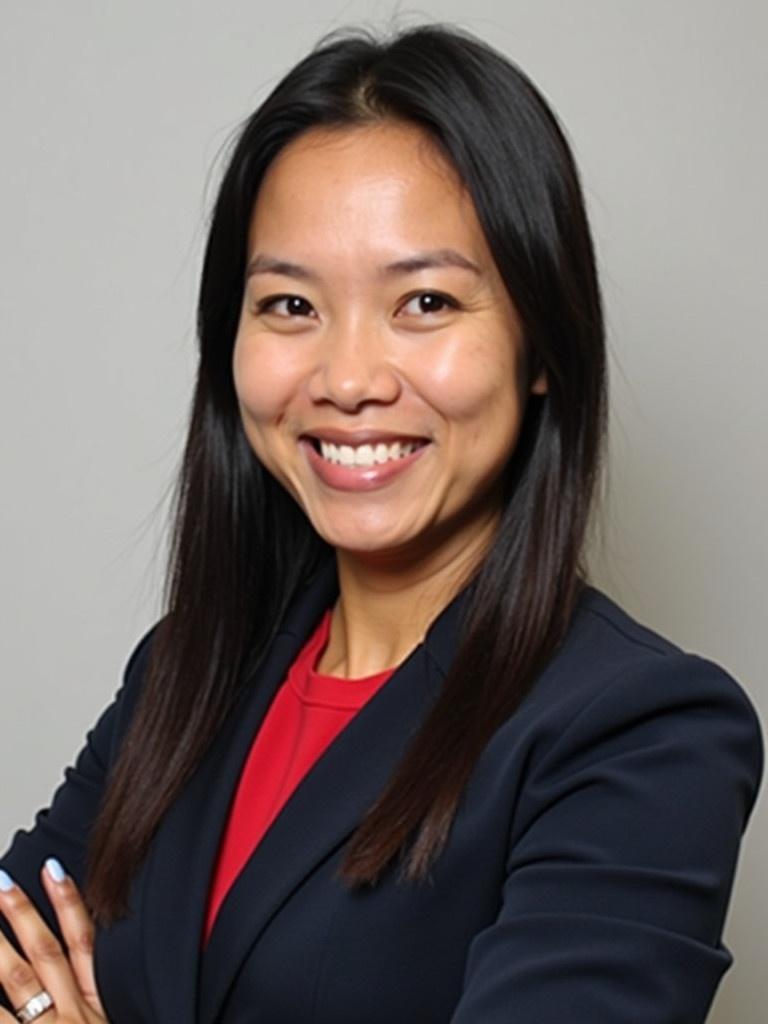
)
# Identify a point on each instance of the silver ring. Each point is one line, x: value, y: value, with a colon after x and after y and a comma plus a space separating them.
x: 34, y: 1007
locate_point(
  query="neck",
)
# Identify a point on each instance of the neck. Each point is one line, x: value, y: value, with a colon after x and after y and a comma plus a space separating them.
x: 386, y: 604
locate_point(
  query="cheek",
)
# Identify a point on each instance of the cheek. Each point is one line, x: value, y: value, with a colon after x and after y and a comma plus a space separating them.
x: 264, y: 381
x: 475, y: 382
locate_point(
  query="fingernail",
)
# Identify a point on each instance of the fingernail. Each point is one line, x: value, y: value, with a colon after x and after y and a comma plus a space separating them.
x: 6, y: 882
x: 55, y: 871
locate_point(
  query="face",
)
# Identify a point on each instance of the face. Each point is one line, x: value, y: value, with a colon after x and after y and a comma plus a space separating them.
x: 379, y: 360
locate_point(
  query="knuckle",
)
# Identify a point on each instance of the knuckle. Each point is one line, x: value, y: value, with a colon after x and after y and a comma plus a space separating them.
x: 45, y: 950
x: 20, y: 974
x: 82, y: 942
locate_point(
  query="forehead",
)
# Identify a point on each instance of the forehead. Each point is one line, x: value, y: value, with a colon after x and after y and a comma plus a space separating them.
x: 385, y: 184
x: 385, y: 145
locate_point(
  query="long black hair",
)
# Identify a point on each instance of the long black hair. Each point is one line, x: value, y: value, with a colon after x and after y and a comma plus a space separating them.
x: 242, y: 548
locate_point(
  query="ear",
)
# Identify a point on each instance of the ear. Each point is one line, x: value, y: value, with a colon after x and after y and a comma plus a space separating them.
x: 540, y: 386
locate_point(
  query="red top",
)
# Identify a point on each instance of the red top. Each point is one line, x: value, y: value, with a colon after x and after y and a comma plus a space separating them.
x: 307, y: 714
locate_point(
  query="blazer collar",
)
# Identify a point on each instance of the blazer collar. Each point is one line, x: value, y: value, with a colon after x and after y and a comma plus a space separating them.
x: 188, y: 984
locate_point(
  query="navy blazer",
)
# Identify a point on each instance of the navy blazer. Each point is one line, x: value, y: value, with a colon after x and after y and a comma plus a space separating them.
x: 586, y: 877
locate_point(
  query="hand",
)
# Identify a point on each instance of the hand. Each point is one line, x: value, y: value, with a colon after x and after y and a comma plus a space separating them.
x: 67, y: 976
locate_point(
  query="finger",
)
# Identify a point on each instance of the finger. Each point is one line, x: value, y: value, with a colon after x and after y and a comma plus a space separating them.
x: 46, y: 965
x: 76, y: 927
x: 16, y: 975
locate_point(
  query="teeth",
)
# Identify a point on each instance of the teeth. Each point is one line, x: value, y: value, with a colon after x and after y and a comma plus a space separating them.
x: 365, y: 454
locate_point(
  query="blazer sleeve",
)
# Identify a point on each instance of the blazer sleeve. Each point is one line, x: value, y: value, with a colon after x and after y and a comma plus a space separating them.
x: 62, y: 829
x: 622, y: 857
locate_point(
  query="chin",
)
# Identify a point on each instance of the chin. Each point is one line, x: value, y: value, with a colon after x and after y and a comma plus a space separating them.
x: 367, y: 544
x: 371, y: 539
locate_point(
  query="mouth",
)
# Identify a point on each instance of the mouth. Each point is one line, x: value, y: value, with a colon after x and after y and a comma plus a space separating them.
x: 370, y: 464
x: 364, y: 452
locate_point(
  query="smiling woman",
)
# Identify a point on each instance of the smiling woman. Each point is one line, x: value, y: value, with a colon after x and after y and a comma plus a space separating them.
x: 389, y: 756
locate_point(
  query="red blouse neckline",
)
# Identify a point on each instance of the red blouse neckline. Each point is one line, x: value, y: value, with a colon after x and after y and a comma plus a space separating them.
x: 319, y: 689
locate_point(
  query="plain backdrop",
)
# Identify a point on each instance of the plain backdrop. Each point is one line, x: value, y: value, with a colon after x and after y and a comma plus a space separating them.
x: 114, y: 118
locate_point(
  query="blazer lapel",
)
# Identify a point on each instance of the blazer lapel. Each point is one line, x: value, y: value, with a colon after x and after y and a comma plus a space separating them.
x: 173, y: 894
x: 325, y: 809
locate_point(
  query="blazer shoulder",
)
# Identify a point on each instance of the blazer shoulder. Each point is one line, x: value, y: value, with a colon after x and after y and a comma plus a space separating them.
x: 607, y: 642
x: 138, y: 659
x: 618, y: 626
x: 608, y: 656
x: 616, y: 690
x: 133, y: 678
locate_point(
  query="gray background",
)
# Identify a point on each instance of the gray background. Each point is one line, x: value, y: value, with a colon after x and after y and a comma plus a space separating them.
x: 114, y: 117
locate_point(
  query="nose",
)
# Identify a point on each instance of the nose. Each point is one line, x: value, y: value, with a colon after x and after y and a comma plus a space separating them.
x: 353, y: 368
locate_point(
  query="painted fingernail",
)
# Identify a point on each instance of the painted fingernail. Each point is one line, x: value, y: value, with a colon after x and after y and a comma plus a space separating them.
x: 6, y: 882
x: 55, y: 871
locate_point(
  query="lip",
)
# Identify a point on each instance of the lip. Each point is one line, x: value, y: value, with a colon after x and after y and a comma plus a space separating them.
x: 360, y: 478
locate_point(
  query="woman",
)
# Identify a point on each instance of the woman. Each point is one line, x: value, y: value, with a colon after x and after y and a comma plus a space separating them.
x: 388, y: 756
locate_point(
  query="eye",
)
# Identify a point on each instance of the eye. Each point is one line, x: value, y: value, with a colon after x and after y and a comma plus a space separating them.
x: 285, y: 305
x: 427, y: 302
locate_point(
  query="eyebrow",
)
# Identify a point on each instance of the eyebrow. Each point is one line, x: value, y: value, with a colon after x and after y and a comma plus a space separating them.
x: 430, y: 259
x: 261, y: 263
